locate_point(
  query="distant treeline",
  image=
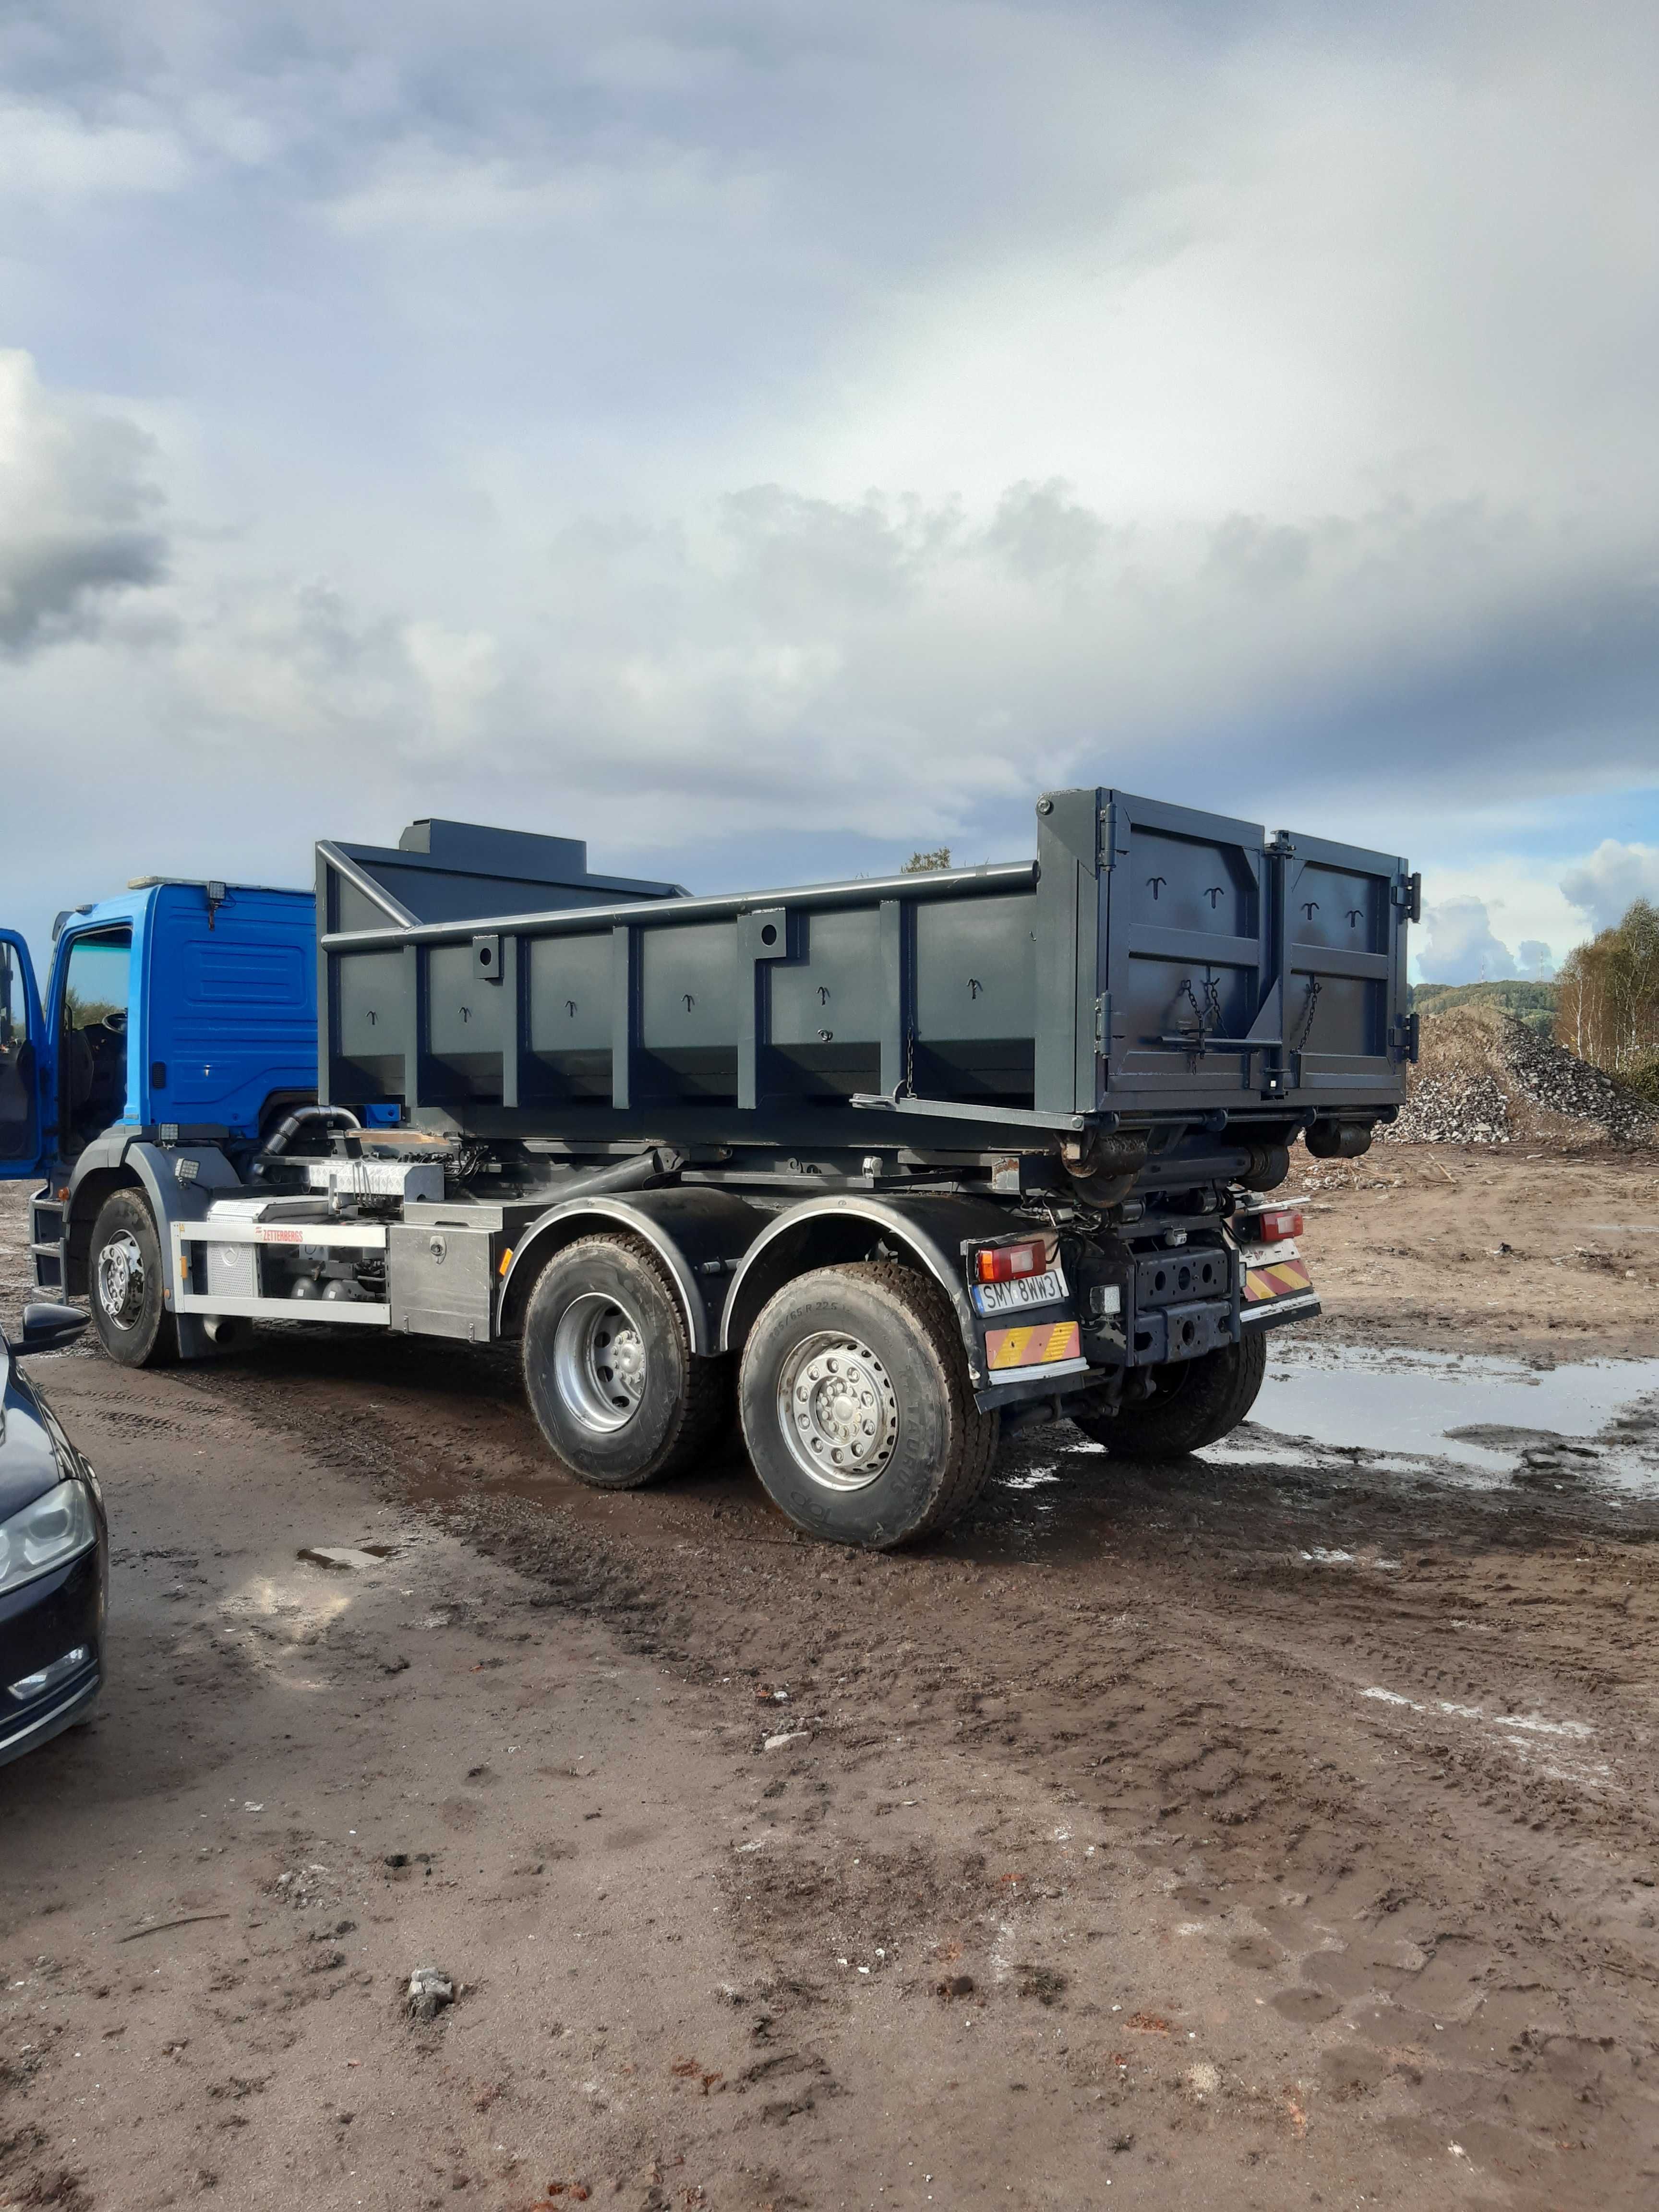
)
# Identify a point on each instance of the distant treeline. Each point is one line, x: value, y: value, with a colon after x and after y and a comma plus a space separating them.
x: 1532, y: 1003
x: 1608, y: 1008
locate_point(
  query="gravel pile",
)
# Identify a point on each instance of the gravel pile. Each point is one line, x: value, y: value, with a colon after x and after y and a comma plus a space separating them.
x: 1486, y: 1078
x: 1561, y: 1083
x: 1453, y: 1106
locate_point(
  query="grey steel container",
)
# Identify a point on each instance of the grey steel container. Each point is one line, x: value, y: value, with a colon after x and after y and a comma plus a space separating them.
x: 1152, y: 963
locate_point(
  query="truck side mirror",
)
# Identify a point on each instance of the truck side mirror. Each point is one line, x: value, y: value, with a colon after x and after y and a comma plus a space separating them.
x: 48, y: 1329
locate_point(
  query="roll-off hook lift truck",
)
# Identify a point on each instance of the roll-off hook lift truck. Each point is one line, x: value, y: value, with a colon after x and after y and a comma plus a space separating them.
x: 886, y: 1167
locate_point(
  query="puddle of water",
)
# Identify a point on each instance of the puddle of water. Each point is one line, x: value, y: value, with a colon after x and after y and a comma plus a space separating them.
x: 1492, y: 1416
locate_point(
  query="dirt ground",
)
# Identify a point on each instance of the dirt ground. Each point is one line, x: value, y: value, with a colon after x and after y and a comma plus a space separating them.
x: 1115, y: 1850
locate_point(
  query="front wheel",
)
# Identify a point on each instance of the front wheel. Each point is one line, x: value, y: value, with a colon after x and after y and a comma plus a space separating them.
x: 126, y: 1278
x: 857, y: 1406
x: 609, y: 1369
x: 1194, y: 1402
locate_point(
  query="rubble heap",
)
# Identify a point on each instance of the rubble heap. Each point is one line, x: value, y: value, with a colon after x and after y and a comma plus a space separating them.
x: 1486, y: 1078
x: 1561, y: 1083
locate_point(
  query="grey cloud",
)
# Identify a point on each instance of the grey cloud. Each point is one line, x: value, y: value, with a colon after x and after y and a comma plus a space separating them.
x: 77, y: 513
x: 1042, y: 530
x: 795, y: 656
x: 582, y: 454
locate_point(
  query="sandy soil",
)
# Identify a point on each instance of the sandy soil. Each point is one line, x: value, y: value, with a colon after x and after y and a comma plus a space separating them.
x: 1117, y: 1849
x: 1486, y: 1249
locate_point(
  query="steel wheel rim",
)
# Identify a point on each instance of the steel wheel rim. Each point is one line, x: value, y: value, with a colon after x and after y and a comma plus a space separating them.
x: 599, y: 1362
x: 121, y: 1279
x: 838, y: 1411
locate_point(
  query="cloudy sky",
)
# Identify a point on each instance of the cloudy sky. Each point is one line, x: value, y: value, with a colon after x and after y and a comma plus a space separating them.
x: 762, y: 437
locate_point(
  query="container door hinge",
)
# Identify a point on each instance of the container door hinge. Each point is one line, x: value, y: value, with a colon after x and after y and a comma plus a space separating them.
x: 1104, y: 1023
x: 1408, y: 892
x: 1403, y: 1038
x: 1108, y: 854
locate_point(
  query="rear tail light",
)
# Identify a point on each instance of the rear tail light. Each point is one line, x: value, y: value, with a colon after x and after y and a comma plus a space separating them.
x: 1279, y: 1223
x: 1006, y: 1263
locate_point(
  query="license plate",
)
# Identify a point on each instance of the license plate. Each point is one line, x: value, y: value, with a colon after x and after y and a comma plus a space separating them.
x: 1045, y: 1289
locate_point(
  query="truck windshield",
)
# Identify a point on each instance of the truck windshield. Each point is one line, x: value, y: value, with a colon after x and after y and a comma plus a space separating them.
x: 16, y: 1062
x: 92, y: 1067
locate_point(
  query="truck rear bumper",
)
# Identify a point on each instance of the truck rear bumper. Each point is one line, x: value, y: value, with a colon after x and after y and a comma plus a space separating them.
x: 1306, y: 1307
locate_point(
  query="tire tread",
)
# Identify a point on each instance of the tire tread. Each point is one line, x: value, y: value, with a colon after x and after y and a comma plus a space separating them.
x: 923, y: 1304
x: 129, y: 1208
x: 705, y: 1406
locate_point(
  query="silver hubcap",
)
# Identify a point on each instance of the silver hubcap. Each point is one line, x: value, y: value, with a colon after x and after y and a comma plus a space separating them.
x: 121, y: 1279
x: 599, y: 1361
x: 837, y: 1407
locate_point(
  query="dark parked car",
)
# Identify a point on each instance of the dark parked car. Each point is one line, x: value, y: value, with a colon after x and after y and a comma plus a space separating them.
x: 54, y: 1552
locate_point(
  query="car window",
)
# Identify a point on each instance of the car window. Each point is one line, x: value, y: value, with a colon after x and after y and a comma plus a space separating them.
x: 92, y: 1070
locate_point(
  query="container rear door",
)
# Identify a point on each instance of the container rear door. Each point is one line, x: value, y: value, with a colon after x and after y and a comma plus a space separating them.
x: 1185, y: 966
x: 1344, y: 932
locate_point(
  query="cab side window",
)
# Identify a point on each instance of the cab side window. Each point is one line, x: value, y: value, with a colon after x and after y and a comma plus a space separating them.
x: 17, y: 1133
x: 92, y: 1063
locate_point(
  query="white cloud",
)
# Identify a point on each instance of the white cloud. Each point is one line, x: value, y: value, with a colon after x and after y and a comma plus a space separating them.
x: 460, y: 672
x: 1458, y: 946
x: 1613, y: 876
x: 78, y: 514
x: 51, y: 156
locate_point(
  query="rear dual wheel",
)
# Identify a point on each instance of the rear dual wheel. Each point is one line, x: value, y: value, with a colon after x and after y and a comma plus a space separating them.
x: 857, y: 1406
x: 855, y: 1399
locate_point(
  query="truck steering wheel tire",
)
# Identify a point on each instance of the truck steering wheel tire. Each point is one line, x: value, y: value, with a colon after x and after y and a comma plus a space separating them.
x: 609, y: 1369
x: 125, y: 1277
x: 1194, y: 1402
x: 857, y: 1407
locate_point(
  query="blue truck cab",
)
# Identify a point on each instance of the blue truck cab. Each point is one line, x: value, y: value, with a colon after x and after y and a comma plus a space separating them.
x: 182, y: 1013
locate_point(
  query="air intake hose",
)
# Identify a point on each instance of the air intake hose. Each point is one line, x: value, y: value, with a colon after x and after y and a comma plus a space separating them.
x: 339, y: 1117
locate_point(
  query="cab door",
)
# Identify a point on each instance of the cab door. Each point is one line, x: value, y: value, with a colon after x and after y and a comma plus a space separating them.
x: 25, y: 1063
